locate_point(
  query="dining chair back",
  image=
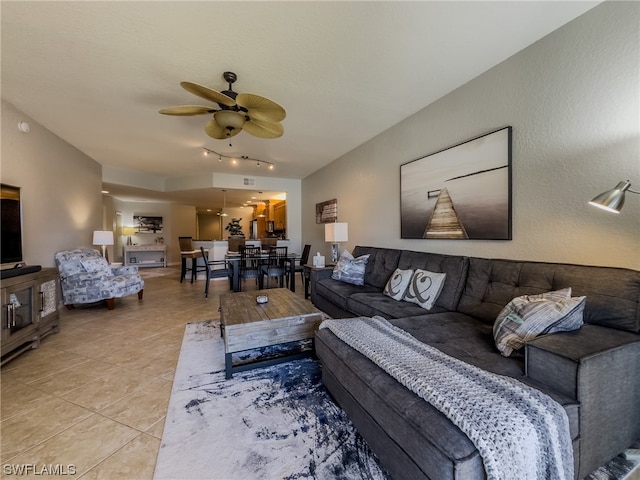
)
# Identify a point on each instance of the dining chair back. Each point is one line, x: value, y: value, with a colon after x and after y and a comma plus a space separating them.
x: 186, y: 244
x: 213, y: 269
x: 250, y: 265
x: 235, y: 243
x: 304, y: 259
x: 276, y: 264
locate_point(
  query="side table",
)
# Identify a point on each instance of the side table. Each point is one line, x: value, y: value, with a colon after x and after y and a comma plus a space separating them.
x: 309, y: 270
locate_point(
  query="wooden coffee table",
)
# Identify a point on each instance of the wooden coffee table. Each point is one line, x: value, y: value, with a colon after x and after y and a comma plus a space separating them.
x: 246, y: 325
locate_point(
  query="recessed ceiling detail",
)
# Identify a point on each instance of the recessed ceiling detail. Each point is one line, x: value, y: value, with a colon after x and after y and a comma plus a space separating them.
x: 252, y: 113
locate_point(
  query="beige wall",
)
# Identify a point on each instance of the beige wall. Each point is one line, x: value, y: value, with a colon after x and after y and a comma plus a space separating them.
x: 178, y: 221
x: 60, y: 188
x: 573, y: 101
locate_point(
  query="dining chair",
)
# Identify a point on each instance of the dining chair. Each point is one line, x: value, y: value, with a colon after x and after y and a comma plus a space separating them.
x: 214, y: 269
x: 276, y: 265
x: 304, y: 259
x: 250, y: 265
x: 188, y: 252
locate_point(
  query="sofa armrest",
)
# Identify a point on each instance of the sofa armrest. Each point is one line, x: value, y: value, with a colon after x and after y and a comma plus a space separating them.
x: 598, y: 366
x: 315, y: 275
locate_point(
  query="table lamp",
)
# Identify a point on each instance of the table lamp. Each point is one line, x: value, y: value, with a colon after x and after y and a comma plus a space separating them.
x: 335, y: 233
x: 103, y: 238
x: 128, y: 231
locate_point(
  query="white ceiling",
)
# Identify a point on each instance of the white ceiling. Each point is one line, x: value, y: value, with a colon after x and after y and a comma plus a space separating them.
x: 96, y: 73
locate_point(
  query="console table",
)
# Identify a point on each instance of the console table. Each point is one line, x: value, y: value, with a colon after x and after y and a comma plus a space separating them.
x: 145, y: 255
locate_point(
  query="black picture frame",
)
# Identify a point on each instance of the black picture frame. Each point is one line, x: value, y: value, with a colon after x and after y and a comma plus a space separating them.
x: 148, y: 223
x: 462, y: 192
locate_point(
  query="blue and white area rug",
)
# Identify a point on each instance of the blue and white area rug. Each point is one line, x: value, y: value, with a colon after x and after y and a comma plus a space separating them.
x: 269, y: 423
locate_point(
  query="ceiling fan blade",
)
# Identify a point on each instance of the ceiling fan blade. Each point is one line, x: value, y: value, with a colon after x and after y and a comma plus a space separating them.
x: 208, y: 94
x: 261, y: 129
x: 261, y: 108
x: 186, y: 110
x: 216, y: 131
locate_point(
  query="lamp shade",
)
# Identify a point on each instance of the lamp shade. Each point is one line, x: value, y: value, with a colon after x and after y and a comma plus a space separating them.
x: 612, y: 200
x: 103, y: 237
x: 229, y: 119
x: 336, y: 232
x: 129, y: 230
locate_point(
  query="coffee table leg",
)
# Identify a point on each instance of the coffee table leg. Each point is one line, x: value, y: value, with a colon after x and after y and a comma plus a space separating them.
x: 227, y: 366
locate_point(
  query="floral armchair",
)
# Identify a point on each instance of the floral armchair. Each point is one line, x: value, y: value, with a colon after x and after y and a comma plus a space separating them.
x: 86, y: 277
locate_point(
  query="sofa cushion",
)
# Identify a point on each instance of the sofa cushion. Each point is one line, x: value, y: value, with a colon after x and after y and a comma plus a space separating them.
x: 431, y: 440
x: 338, y: 292
x: 424, y: 288
x: 454, y: 266
x: 397, y: 284
x: 613, y: 294
x: 382, y: 263
x: 369, y: 304
x: 350, y: 269
x: 526, y: 317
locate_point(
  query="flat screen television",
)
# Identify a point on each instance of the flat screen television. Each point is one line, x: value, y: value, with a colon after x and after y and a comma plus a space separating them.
x: 11, y: 218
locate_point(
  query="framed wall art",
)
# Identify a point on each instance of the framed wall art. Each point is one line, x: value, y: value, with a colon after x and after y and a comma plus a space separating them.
x: 327, y: 212
x: 147, y: 224
x: 461, y: 192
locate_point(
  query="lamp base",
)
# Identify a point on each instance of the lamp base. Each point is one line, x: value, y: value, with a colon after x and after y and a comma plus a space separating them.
x: 335, y: 253
x: 105, y: 254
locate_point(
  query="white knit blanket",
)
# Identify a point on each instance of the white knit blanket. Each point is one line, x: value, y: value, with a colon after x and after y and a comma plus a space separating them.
x: 520, y: 432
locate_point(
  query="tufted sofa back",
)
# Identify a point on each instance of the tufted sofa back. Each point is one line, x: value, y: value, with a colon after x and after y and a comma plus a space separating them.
x: 613, y: 294
x: 381, y: 264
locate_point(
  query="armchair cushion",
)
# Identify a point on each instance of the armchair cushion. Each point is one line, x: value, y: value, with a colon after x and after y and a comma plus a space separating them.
x: 97, y: 265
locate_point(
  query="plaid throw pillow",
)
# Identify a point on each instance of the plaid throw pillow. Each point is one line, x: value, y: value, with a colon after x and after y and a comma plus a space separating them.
x: 526, y: 317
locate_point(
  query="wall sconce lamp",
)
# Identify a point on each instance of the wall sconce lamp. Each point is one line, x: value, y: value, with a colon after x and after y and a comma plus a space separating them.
x: 612, y: 200
x: 336, y: 233
x: 103, y: 238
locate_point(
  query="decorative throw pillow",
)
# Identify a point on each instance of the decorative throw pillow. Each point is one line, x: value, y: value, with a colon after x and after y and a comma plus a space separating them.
x: 526, y: 317
x: 424, y: 288
x: 97, y: 265
x: 350, y: 269
x: 397, y: 284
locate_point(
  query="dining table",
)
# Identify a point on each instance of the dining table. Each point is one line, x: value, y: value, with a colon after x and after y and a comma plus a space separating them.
x: 233, y: 258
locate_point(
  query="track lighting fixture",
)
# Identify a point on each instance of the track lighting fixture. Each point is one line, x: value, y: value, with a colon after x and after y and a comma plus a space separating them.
x: 234, y: 160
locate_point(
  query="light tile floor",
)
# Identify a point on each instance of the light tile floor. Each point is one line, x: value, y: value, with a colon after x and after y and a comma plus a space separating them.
x: 95, y: 395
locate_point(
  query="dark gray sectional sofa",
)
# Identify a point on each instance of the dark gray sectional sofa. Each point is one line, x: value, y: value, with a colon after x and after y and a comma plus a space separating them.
x: 593, y: 372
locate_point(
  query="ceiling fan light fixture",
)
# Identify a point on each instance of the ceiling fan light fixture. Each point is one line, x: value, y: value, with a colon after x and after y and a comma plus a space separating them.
x: 255, y: 114
x: 229, y: 120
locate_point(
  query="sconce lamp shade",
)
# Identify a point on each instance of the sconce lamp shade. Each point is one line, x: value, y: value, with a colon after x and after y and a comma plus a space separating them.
x: 612, y: 200
x: 103, y: 237
x: 336, y: 232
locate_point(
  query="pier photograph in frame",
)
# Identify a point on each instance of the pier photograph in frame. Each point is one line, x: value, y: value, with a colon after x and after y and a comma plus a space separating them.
x: 461, y: 192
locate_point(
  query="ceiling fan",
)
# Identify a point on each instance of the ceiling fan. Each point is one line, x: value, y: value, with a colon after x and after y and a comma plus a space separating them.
x: 252, y: 113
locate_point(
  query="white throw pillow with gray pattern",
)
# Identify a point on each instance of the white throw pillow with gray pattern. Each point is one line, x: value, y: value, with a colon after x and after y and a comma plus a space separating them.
x: 424, y: 288
x: 397, y: 284
x: 526, y: 317
x: 350, y: 269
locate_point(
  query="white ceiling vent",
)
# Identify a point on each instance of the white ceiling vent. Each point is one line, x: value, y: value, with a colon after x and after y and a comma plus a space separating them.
x: 249, y: 182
